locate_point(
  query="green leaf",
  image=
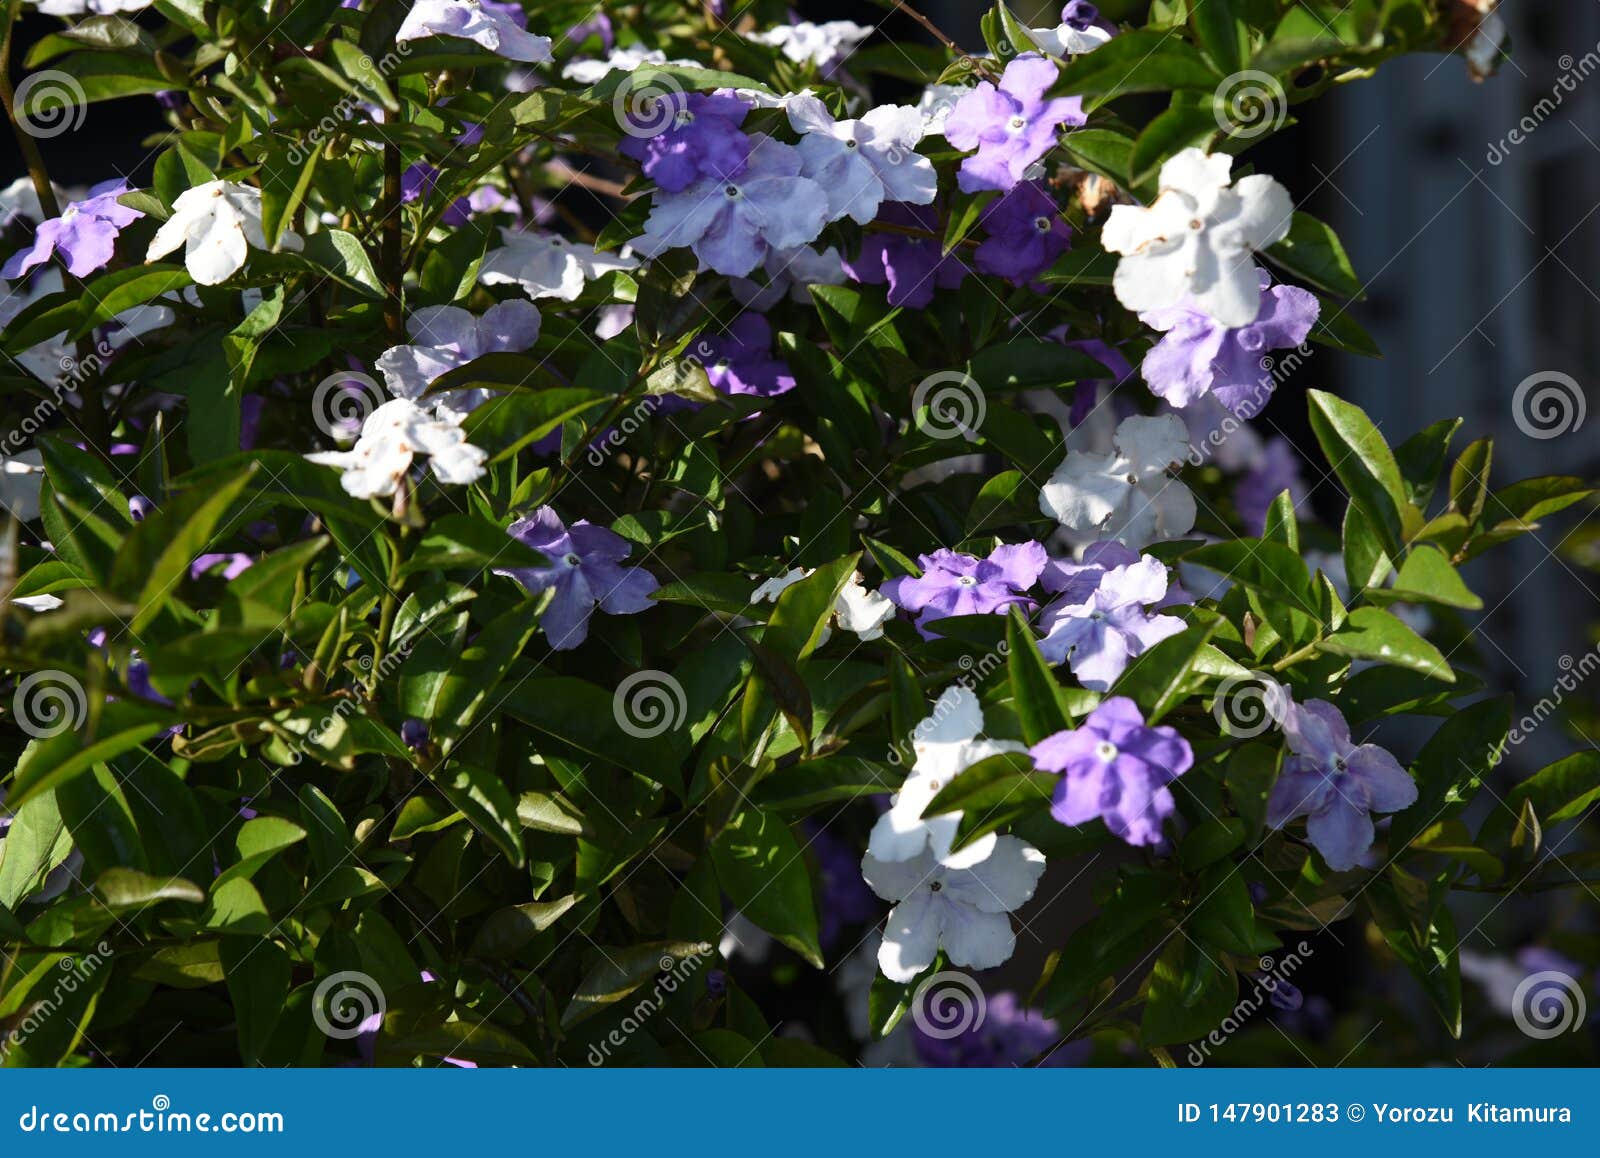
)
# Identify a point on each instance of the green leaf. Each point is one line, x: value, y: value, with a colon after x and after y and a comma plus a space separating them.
x: 157, y: 554
x: 1421, y: 457
x: 618, y: 972
x: 36, y: 843
x: 485, y: 801
x: 1191, y: 992
x: 804, y: 608
x: 1425, y: 942
x: 449, y: 685
x: 1452, y: 764
x: 1159, y: 678
x: 762, y: 868
x: 1374, y: 634
x: 1145, y: 60
x: 1469, y: 479
x: 258, y: 974
x: 507, y: 930
x: 1221, y: 32
x: 1362, y: 460
x: 1041, y: 706
x: 1182, y: 125
x: 1427, y: 577
x: 1312, y: 252
x: 52, y: 761
x: 122, y: 889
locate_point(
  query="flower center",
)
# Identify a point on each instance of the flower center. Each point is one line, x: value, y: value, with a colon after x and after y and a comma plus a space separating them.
x: 1132, y: 479
x: 684, y: 117
x: 1106, y: 750
x: 935, y: 886
x: 966, y: 581
x: 1197, y: 225
x: 732, y: 191
x: 1018, y: 124
x: 572, y: 560
x: 1042, y: 224
x: 852, y: 144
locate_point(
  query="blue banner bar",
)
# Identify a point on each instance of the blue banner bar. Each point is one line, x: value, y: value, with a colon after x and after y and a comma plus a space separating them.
x: 796, y: 1111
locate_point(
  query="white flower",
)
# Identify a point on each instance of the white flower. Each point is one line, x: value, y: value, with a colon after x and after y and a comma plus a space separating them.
x: 216, y: 223
x: 20, y: 478
x: 587, y: 71
x: 761, y: 99
x: 445, y: 337
x: 862, y: 163
x: 1064, y: 40
x: 1198, y: 239
x: 789, y: 272
x: 547, y: 265
x: 861, y: 611
x: 391, y: 437
x: 947, y: 743
x: 21, y: 199
x: 38, y: 602
x: 821, y: 44
x: 936, y: 104
x: 467, y: 20
x: 962, y: 910
x: 1126, y: 496
x: 856, y: 609
x: 90, y: 7
x: 742, y: 937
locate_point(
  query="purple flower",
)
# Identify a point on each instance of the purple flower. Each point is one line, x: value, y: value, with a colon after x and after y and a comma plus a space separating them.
x: 234, y: 564
x: 1102, y: 619
x: 956, y: 584
x: 846, y: 898
x: 1086, y: 394
x: 1200, y: 355
x: 1012, y: 126
x: 1007, y: 1034
x: 84, y: 236
x: 1080, y: 15
x: 597, y: 25
x: 1026, y: 233
x: 1115, y: 768
x: 1278, y: 471
x: 418, y: 183
x: 911, y: 266
x: 703, y: 140
x: 1335, y: 784
x: 584, y: 569
x: 733, y: 223
x: 740, y: 361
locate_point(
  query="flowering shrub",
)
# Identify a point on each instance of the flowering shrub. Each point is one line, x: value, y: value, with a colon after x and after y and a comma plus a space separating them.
x: 526, y: 507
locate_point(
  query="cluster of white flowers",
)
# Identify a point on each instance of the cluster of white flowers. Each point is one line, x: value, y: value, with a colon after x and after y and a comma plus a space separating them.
x: 955, y: 901
x: 856, y: 609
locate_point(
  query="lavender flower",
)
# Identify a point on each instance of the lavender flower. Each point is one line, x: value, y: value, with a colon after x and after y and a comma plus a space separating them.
x: 1008, y: 1034
x: 84, y: 236
x: 1335, y: 784
x: 911, y: 266
x: 1199, y: 354
x: 955, y: 584
x: 584, y: 569
x: 733, y: 223
x: 1278, y: 471
x: 1114, y: 767
x: 1012, y: 126
x: 703, y: 141
x: 1098, y: 630
x: 740, y: 361
x: 1026, y: 233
